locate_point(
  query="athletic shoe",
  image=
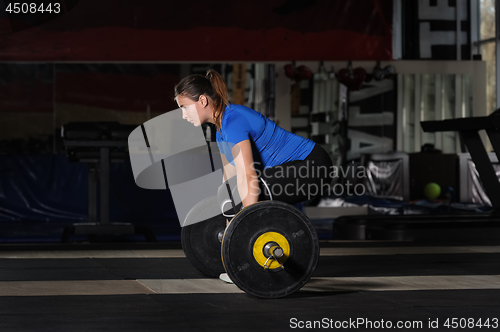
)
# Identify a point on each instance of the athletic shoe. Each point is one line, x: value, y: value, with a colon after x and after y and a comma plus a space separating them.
x: 224, y: 277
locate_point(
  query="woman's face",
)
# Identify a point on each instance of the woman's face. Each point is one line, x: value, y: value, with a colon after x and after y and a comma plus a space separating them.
x: 190, y: 110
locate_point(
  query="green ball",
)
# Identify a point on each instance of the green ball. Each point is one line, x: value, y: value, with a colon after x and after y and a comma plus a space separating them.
x: 432, y: 190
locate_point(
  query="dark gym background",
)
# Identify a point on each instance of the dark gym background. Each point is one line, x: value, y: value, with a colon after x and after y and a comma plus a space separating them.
x: 77, y: 80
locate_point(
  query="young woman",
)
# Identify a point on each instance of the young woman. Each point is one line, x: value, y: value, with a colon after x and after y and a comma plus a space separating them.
x: 268, y: 161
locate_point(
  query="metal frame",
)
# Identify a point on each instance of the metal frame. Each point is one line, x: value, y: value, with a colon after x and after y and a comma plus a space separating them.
x: 417, y: 141
x: 400, y: 119
x: 397, y: 33
x: 438, y: 109
x: 458, y: 21
x: 475, y: 13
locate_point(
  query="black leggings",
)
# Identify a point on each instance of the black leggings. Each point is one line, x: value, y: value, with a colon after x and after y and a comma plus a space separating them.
x: 299, y: 180
x: 292, y: 182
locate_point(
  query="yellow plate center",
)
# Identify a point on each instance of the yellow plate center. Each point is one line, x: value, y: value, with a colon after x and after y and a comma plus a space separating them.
x: 258, y: 246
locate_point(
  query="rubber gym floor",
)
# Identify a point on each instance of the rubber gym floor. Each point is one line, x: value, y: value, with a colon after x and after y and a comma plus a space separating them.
x: 153, y: 287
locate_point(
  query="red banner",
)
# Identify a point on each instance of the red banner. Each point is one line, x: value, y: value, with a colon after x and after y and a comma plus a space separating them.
x: 224, y: 30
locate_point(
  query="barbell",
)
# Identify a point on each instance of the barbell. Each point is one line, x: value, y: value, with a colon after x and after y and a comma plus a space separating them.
x: 269, y: 249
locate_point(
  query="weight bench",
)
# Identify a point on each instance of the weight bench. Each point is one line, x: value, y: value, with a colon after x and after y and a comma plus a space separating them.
x: 98, y: 144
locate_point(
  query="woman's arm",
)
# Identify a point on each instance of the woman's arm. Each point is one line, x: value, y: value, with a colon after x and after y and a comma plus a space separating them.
x: 229, y: 169
x: 229, y: 172
x: 248, y: 182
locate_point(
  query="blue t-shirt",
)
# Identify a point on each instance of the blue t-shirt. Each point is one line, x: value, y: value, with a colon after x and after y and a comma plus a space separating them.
x: 273, y: 144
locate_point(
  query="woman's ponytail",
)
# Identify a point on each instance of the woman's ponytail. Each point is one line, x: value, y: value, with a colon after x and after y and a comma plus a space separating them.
x: 220, y: 98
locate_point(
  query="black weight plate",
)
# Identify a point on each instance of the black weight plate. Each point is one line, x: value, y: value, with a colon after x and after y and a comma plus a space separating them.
x: 200, y: 242
x: 238, y: 243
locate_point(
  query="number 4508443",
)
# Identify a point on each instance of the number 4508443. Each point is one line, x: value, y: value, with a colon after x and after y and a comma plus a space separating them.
x: 32, y: 8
